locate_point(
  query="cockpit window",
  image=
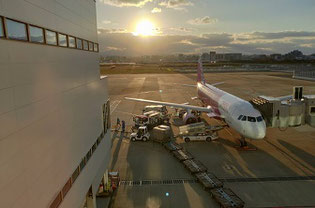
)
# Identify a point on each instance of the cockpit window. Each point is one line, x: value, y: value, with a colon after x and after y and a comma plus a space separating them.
x: 259, y: 119
x: 239, y: 118
x: 251, y: 119
x: 244, y: 118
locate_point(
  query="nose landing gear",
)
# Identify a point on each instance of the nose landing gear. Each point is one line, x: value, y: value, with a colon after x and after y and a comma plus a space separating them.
x: 244, y: 146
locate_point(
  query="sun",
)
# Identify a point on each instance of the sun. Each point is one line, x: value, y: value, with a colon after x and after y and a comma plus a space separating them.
x: 145, y: 28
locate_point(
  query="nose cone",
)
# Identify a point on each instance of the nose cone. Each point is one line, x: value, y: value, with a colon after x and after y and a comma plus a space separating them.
x: 256, y: 130
x: 261, y: 133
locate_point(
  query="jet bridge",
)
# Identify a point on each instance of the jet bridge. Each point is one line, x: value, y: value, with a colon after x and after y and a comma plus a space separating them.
x: 288, y: 111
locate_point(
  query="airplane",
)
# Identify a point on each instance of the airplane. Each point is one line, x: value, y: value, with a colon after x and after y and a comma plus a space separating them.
x: 237, y: 113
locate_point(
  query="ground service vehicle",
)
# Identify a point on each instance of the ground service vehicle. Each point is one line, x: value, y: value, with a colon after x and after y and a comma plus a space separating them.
x: 200, y: 137
x: 198, y: 132
x: 158, y: 108
x: 142, y: 134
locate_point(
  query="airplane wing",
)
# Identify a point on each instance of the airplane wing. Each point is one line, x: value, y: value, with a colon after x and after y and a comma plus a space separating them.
x: 175, y: 105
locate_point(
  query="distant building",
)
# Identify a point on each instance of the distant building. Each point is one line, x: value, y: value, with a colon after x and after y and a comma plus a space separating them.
x: 205, y: 57
x: 227, y: 56
x: 276, y: 57
x: 213, y: 57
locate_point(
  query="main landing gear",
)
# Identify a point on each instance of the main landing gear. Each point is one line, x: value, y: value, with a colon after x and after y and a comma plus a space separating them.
x: 244, y: 145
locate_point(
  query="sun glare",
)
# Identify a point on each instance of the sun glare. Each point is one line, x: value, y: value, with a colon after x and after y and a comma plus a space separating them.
x: 145, y: 28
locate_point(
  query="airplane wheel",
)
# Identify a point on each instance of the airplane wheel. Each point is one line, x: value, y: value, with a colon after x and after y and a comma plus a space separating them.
x: 144, y: 139
x: 187, y: 139
x: 133, y: 139
x: 208, y: 139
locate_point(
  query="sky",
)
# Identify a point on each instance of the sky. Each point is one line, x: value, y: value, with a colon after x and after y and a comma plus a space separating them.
x: 197, y: 26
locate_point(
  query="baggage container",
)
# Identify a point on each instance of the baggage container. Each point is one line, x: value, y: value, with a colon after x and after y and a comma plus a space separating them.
x: 172, y: 146
x: 182, y: 155
x: 209, y: 180
x: 194, y: 166
x: 227, y: 198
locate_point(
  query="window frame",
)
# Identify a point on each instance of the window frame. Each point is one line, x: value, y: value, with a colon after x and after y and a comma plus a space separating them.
x: 97, y: 47
x: 79, y: 40
x: 87, y: 42
x: 90, y: 45
x: 91, y: 49
x: 7, y: 33
x: 2, y: 27
x: 29, y: 33
x: 56, y: 37
x: 67, y: 40
x: 311, y: 110
x: 75, y: 42
x: 251, y: 119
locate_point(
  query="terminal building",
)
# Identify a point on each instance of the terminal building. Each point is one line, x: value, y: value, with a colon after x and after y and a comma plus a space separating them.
x: 288, y: 111
x: 54, y: 107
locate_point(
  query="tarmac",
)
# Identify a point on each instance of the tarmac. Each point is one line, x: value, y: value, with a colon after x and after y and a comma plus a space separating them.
x: 279, y: 173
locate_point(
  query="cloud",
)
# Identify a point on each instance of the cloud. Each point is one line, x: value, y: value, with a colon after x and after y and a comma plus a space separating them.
x: 127, y: 3
x: 203, y: 21
x: 176, y: 4
x: 122, y: 42
x: 106, y: 22
x: 105, y: 31
x: 156, y: 10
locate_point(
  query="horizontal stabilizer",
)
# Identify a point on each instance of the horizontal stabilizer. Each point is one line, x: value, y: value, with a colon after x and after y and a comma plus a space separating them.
x: 218, y: 83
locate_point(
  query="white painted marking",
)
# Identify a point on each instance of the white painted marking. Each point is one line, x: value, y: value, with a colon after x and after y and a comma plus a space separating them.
x: 114, y: 105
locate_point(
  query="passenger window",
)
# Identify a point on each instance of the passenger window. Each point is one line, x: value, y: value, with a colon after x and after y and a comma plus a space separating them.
x: 251, y: 119
x: 240, y: 117
x: 244, y: 118
x: 259, y: 119
x: 51, y: 37
x: 16, y: 30
x: 37, y: 34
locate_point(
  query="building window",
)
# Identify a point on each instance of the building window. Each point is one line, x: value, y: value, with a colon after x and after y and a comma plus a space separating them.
x: 16, y: 30
x: 75, y: 174
x: 1, y: 28
x: 71, y: 42
x: 88, y: 155
x: 36, y: 34
x: 51, y: 37
x: 79, y: 43
x: 95, y: 47
x: 56, y: 201
x: 66, y: 188
x: 108, y: 115
x: 85, y: 45
x: 82, y: 164
x: 312, y: 110
x: 62, y: 40
x: 94, y: 147
x: 91, y: 46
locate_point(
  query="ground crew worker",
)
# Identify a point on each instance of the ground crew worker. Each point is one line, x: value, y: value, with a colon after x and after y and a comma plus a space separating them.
x: 118, y: 124
x: 123, y: 126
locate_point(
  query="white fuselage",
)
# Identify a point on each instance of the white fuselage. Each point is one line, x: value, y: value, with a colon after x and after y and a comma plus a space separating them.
x: 237, y: 113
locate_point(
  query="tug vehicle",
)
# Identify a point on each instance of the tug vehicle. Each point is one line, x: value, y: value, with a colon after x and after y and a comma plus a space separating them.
x: 142, y: 134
